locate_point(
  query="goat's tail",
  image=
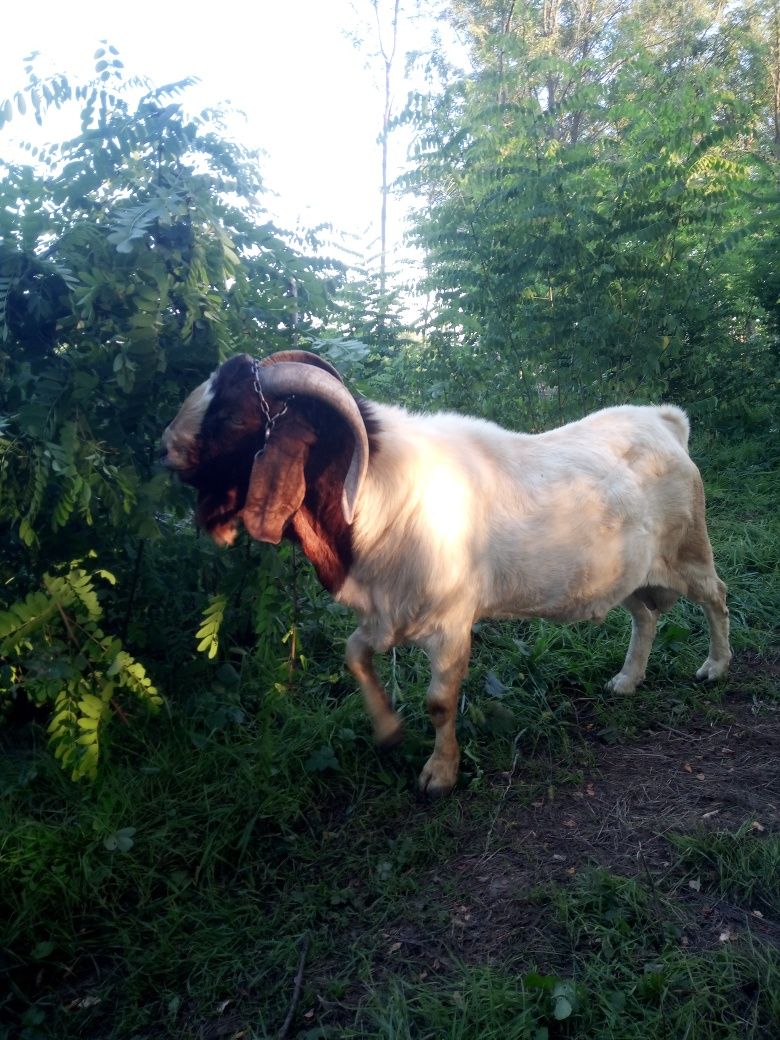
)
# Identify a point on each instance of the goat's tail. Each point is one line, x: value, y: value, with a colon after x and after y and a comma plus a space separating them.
x: 678, y: 421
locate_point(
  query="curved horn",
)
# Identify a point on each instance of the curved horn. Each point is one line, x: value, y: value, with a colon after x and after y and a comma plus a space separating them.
x: 304, y: 357
x: 285, y: 378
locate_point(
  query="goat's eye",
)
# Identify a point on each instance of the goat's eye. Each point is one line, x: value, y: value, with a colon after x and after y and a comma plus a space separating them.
x: 235, y: 421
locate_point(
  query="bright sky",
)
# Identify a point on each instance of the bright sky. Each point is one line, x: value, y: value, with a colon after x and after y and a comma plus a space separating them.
x: 311, y: 96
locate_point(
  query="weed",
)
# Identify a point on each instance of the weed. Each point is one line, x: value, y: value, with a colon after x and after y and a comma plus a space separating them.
x: 170, y: 897
x: 744, y: 865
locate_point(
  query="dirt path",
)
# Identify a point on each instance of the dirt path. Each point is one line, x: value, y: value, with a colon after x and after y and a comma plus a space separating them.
x: 713, y: 775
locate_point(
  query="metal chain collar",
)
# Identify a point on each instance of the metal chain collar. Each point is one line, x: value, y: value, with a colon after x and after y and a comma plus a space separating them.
x: 270, y: 420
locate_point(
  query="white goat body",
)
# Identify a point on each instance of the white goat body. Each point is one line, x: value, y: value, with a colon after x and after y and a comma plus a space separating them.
x: 458, y: 519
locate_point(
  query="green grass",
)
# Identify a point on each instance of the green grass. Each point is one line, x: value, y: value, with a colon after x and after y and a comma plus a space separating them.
x: 170, y: 898
x: 743, y: 866
x: 623, y: 986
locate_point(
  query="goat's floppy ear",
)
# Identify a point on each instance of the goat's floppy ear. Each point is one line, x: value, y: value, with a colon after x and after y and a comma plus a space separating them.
x: 277, y: 483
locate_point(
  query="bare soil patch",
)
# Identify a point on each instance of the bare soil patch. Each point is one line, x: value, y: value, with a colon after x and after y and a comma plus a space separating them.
x: 490, y: 904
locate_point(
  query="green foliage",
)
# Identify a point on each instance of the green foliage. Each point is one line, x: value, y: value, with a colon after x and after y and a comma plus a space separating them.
x: 257, y: 811
x: 133, y: 259
x: 55, y: 654
x: 480, y: 1002
x: 585, y: 199
x: 637, y: 981
x: 744, y: 865
x: 208, y: 633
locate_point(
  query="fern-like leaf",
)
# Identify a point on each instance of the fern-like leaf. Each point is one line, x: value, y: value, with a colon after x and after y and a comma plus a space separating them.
x: 208, y: 633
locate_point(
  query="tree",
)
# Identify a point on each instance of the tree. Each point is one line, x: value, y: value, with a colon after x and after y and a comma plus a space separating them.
x: 133, y: 259
x: 582, y: 190
x: 387, y: 50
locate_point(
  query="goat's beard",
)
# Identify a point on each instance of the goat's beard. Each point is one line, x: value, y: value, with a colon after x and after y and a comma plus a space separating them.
x: 221, y: 484
x: 219, y: 516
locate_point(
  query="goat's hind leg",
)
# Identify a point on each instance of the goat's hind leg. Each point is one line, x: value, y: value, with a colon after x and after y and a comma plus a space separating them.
x: 644, y: 623
x: 388, y: 730
x: 702, y: 585
x: 710, y: 594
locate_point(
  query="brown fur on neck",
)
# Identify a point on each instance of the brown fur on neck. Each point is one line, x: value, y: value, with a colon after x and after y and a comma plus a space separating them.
x: 319, y: 525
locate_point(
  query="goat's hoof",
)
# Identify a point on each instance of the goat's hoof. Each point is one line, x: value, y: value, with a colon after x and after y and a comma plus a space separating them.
x: 621, y: 683
x: 389, y: 733
x: 437, y: 778
x: 712, y: 670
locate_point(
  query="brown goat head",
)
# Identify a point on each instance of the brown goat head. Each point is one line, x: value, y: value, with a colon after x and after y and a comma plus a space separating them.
x: 279, y: 445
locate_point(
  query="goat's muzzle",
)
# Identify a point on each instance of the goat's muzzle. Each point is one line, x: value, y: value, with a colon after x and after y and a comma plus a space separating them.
x: 177, y: 457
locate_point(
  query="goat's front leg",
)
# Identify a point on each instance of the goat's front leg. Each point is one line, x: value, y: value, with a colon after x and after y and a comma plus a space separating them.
x: 387, y: 726
x: 449, y: 664
x: 644, y: 623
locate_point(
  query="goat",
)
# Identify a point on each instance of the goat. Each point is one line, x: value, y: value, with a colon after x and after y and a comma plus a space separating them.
x: 425, y: 523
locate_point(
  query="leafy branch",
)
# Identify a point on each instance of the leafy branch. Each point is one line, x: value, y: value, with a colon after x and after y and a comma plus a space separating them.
x: 53, y: 652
